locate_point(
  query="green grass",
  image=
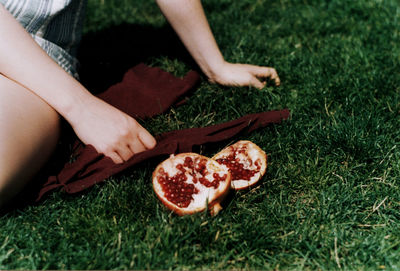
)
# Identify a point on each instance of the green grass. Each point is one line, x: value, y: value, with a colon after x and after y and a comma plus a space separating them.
x: 330, y: 198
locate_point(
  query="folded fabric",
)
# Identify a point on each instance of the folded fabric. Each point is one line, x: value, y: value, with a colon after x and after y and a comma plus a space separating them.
x: 90, y: 167
x: 145, y: 92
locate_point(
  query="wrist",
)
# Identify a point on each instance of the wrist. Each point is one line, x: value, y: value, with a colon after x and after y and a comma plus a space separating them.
x: 214, y: 70
x: 76, y: 102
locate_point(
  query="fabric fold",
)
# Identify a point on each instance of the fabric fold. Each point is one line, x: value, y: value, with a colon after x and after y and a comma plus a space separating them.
x: 146, y: 91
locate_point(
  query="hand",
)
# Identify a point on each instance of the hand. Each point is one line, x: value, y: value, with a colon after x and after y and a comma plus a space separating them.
x: 110, y: 131
x: 230, y: 74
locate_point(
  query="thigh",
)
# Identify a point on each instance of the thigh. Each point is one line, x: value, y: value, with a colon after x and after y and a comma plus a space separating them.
x: 29, y: 131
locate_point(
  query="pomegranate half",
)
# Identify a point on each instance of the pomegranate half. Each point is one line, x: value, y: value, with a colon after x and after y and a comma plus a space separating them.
x: 247, y: 163
x: 188, y: 182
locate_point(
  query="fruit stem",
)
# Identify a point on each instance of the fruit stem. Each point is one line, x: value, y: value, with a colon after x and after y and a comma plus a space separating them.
x: 215, y: 209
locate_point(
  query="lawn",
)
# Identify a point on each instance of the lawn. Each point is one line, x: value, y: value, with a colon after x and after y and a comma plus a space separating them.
x: 330, y: 198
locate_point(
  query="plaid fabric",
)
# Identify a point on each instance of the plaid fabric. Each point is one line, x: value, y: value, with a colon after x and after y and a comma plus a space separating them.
x: 55, y: 25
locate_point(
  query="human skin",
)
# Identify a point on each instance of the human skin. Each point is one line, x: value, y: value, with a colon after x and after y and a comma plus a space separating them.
x: 35, y: 92
x: 189, y: 22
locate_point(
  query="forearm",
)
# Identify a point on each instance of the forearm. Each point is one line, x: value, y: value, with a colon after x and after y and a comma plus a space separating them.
x: 23, y: 61
x: 189, y: 21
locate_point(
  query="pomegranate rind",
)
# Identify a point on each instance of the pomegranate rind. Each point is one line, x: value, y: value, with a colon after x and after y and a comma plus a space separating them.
x: 255, y: 153
x: 207, y: 196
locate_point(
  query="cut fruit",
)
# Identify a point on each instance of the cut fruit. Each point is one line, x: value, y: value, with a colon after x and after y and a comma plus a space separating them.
x: 246, y: 162
x: 188, y: 182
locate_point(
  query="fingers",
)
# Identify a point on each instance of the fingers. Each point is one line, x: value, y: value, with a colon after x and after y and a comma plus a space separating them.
x: 257, y: 83
x: 115, y: 157
x: 147, y: 139
x: 137, y: 146
x: 125, y: 153
x: 141, y: 141
x: 266, y: 72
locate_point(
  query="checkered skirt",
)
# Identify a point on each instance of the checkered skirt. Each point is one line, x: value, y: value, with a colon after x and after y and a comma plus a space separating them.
x: 56, y: 25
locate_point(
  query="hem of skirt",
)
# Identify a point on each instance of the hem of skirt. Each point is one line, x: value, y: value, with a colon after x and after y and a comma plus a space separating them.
x: 65, y: 60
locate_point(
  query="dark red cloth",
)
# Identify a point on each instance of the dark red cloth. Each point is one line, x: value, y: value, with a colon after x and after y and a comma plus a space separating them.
x: 145, y: 92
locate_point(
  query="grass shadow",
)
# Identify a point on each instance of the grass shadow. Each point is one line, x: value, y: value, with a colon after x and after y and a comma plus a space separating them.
x: 106, y: 55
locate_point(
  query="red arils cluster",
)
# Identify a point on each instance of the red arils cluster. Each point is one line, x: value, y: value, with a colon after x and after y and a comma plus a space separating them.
x: 177, y: 190
x: 215, y: 182
x: 199, y: 167
x: 236, y: 168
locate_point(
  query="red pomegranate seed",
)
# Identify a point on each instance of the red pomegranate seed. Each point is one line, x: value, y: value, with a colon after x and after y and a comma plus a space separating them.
x: 180, y: 167
x: 236, y: 168
x: 176, y: 190
x: 180, y: 193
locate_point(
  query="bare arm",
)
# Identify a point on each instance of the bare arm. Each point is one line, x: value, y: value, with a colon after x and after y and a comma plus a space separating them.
x: 109, y: 130
x: 23, y: 61
x: 189, y: 21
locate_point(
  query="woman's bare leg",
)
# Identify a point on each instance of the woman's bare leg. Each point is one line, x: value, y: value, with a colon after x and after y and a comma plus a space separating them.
x: 29, y: 130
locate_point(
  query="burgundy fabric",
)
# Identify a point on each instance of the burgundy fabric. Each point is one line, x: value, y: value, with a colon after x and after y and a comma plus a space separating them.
x: 145, y: 92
